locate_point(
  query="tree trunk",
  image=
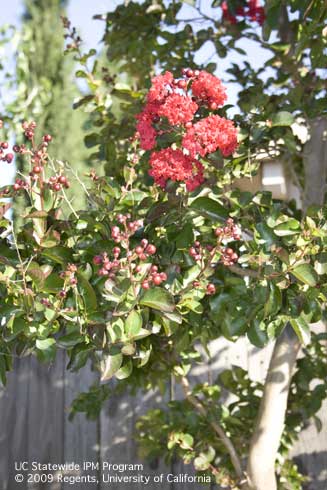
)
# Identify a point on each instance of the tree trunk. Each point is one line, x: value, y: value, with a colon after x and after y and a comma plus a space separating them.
x: 270, y: 423
x: 315, y: 163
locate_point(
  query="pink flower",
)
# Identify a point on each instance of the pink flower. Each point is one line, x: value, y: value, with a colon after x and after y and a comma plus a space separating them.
x: 147, y: 134
x: 209, y: 88
x: 145, y: 130
x: 178, y: 109
x: 174, y: 165
x: 160, y: 87
x: 209, y: 135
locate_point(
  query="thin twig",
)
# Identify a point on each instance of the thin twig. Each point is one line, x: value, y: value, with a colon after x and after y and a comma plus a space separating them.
x: 216, y: 427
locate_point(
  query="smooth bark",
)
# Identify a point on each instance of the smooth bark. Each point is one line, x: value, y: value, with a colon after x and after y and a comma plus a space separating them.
x: 270, y: 422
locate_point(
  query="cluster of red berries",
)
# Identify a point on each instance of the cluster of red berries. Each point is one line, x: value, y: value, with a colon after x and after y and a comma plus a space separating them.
x: 45, y: 302
x: 229, y: 231
x: 71, y: 34
x: 93, y: 175
x: 20, y: 184
x: 57, y: 182
x: 188, y: 73
x: 228, y: 256
x: 129, y: 228
x: 154, y: 277
x: 206, y: 255
x: 196, y: 251
x: 8, y: 157
x: 20, y: 149
x: 145, y: 249
x: 69, y: 275
x: 29, y: 129
x: 110, y: 267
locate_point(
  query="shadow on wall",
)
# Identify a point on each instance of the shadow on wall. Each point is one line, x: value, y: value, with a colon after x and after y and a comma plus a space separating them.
x: 314, y: 465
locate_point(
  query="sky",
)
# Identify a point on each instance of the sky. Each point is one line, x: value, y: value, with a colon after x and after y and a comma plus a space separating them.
x: 80, y: 12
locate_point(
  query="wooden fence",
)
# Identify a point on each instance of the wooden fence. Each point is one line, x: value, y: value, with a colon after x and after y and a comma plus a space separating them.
x: 34, y: 424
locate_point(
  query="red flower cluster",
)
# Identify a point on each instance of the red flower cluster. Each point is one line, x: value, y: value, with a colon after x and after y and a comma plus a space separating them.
x: 173, y: 164
x: 209, y: 88
x: 209, y: 135
x: 161, y: 87
x: 178, y: 109
x: 163, y: 101
x: 177, y: 101
x: 252, y: 10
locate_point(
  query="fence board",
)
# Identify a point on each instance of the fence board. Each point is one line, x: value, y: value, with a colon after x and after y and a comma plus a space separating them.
x: 34, y: 421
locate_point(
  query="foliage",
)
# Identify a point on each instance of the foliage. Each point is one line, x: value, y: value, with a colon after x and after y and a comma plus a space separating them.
x: 290, y: 81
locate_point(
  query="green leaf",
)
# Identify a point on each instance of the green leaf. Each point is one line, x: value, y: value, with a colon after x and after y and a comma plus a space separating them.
x: 45, y: 344
x: 282, y: 118
x: 51, y: 239
x: 209, y: 208
x: 232, y: 327
x: 111, y: 364
x: 83, y: 101
x: 88, y: 293
x: 274, y: 303
x: 306, y: 274
x: 289, y: 227
x: 133, y: 324
x: 125, y: 371
x: 301, y: 328
x: 58, y: 254
x: 142, y: 334
x: 81, y: 74
x: 46, y: 349
x: 91, y: 140
x: 128, y: 349
x: 186, y: 441
x: 266, y: 234
x: 70, y: 340
x: 159, y: 299
x: 133, y: 197
x: 15, y: 326
x: 53, y: 284
x: 256, y: 335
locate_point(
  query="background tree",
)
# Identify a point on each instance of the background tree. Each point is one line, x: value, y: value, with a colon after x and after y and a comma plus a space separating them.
x: 45, y: 87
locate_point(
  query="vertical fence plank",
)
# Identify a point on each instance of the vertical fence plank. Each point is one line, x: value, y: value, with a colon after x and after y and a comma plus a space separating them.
x: 13, y: 423
x: 118, y: 444
x: 81, y: 436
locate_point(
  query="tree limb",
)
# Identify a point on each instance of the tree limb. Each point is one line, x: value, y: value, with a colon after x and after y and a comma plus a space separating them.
x: 270, y: 422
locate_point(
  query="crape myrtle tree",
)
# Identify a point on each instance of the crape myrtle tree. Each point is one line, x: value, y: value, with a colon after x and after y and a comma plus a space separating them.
x: 169, y: 255
x: 281, y: 107
x: 44, y: 88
